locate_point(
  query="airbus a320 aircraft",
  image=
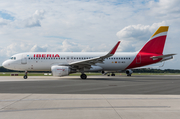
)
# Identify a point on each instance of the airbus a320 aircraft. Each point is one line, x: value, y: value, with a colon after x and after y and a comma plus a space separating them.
x: 64, y: 63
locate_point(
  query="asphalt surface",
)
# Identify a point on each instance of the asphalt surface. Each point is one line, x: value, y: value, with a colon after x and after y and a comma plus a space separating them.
x: 98, y: 97
x: 92, y: 85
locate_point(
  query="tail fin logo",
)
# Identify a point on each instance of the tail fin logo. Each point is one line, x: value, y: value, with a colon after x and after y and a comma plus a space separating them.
x: 162, y: 29
x: 156, y: 42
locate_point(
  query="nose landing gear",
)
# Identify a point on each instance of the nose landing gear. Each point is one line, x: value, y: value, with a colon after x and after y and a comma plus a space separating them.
x: 25, y: 75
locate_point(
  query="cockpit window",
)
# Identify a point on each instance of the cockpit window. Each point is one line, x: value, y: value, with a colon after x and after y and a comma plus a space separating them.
x: 13, y: 58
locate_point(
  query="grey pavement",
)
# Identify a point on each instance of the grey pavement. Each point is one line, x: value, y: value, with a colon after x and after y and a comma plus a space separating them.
x: 98, y: 97
x: 93, y: 85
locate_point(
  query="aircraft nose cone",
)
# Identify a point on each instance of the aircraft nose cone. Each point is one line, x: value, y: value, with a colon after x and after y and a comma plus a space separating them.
x: 5, y: 64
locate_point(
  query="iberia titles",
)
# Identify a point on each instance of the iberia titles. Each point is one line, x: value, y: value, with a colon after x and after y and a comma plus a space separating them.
x: 46, y: 55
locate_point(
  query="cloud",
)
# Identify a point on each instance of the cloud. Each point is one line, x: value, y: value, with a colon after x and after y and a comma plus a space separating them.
x: 34, y: 20
x: 166, y: 8
x: 69, y: 46
x: 14, y: 48
x: 3, y: 22
x: 65, y: 46
x: 133, y: 37
x: 37, y: 48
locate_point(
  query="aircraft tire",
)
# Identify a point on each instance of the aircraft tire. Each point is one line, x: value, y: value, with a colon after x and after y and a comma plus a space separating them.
x: 25, y: 77
x: 83, y: 76
x: 112, y: 74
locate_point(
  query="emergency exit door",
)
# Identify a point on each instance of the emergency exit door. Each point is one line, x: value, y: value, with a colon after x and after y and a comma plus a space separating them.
x: 24, y: 59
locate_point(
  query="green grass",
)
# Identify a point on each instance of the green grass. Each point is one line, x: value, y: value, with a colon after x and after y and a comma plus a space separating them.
x: 78, y: 74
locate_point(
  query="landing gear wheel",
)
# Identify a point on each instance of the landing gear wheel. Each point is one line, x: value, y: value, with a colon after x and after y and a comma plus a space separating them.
x: 25, y: 77
x: 129, y: 75
x: 112, y: 74
x: 83, y: 76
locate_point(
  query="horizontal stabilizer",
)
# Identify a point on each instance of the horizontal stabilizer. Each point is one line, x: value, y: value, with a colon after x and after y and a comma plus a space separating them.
x: 162, y: 56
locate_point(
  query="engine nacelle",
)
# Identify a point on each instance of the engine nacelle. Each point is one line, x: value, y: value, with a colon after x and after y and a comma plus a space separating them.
x: 60, y: 70
x: 129, y: 72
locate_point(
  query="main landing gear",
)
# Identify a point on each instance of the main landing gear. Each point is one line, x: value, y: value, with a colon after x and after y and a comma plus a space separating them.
x: 25, y: 75
x: 83, y: 76
x: 113, y: 74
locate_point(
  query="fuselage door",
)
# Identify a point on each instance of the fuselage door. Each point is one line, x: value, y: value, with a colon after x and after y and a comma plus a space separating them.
x: 138, y: 59
x: 24, y: 59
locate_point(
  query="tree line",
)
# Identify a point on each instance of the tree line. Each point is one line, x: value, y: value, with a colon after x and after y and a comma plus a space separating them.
x: 156, y: 71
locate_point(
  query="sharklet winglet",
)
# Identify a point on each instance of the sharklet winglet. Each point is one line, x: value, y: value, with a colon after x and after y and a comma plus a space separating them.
x: 114, y: 48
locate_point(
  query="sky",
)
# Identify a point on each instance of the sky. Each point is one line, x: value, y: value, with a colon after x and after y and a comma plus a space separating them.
x: 87, y: 26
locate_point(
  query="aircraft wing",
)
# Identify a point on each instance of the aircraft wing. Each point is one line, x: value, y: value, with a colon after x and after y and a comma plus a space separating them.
x: 88, y: 62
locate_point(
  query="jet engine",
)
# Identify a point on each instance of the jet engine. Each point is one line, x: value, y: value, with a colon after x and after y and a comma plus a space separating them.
x: 60, y: 70
x: 129, y: 72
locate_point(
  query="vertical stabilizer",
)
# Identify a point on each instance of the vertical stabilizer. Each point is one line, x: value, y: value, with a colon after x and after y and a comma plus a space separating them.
x: 157, y: 41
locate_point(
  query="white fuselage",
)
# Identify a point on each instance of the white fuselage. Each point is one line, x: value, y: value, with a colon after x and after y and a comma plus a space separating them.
x: 42, y: 61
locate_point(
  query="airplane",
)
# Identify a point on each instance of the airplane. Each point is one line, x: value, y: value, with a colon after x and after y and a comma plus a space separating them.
x: 65, y: 63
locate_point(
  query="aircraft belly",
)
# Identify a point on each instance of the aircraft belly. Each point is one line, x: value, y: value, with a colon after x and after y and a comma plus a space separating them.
x: 39, y: 66
x: 114, y: 66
